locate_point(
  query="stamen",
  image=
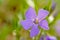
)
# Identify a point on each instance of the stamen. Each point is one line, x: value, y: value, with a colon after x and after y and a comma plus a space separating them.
x: 36, y: 21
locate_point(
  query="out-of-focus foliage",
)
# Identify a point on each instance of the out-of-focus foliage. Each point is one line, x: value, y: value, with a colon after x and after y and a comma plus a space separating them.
x: 13, y: 11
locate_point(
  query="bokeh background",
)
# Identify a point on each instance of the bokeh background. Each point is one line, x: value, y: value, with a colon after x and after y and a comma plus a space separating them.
x: 13, y: 11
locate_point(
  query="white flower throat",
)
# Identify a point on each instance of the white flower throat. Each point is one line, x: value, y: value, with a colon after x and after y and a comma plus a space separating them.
x: 36, y: 21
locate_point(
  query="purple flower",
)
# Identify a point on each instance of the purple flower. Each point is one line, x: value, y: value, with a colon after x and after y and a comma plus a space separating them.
x: 53, y: 5
x: 33, y: 21
x: 48, y: 37
x: 57, y: 27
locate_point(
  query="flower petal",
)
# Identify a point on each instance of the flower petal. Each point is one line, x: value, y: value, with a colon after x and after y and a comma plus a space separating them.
x: 44, y: 24
x: 27, y: 24
x: 51, y: 38
x: 30, y: 14
x: 42, y: 14
x: 34, y: 31
x: 53, y: 6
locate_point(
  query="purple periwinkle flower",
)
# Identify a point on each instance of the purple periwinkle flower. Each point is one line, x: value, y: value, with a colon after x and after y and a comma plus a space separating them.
x: 33, y: 21
x: 57, y: 27
x: 50, y: 38
x: 53, y: 5
x: 47, y: 37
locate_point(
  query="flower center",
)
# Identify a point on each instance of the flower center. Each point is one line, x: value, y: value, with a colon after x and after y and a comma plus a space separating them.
x: 36, y: 21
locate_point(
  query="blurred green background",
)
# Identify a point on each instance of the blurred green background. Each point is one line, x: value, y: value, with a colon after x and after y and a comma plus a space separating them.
x: 13, y: 11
